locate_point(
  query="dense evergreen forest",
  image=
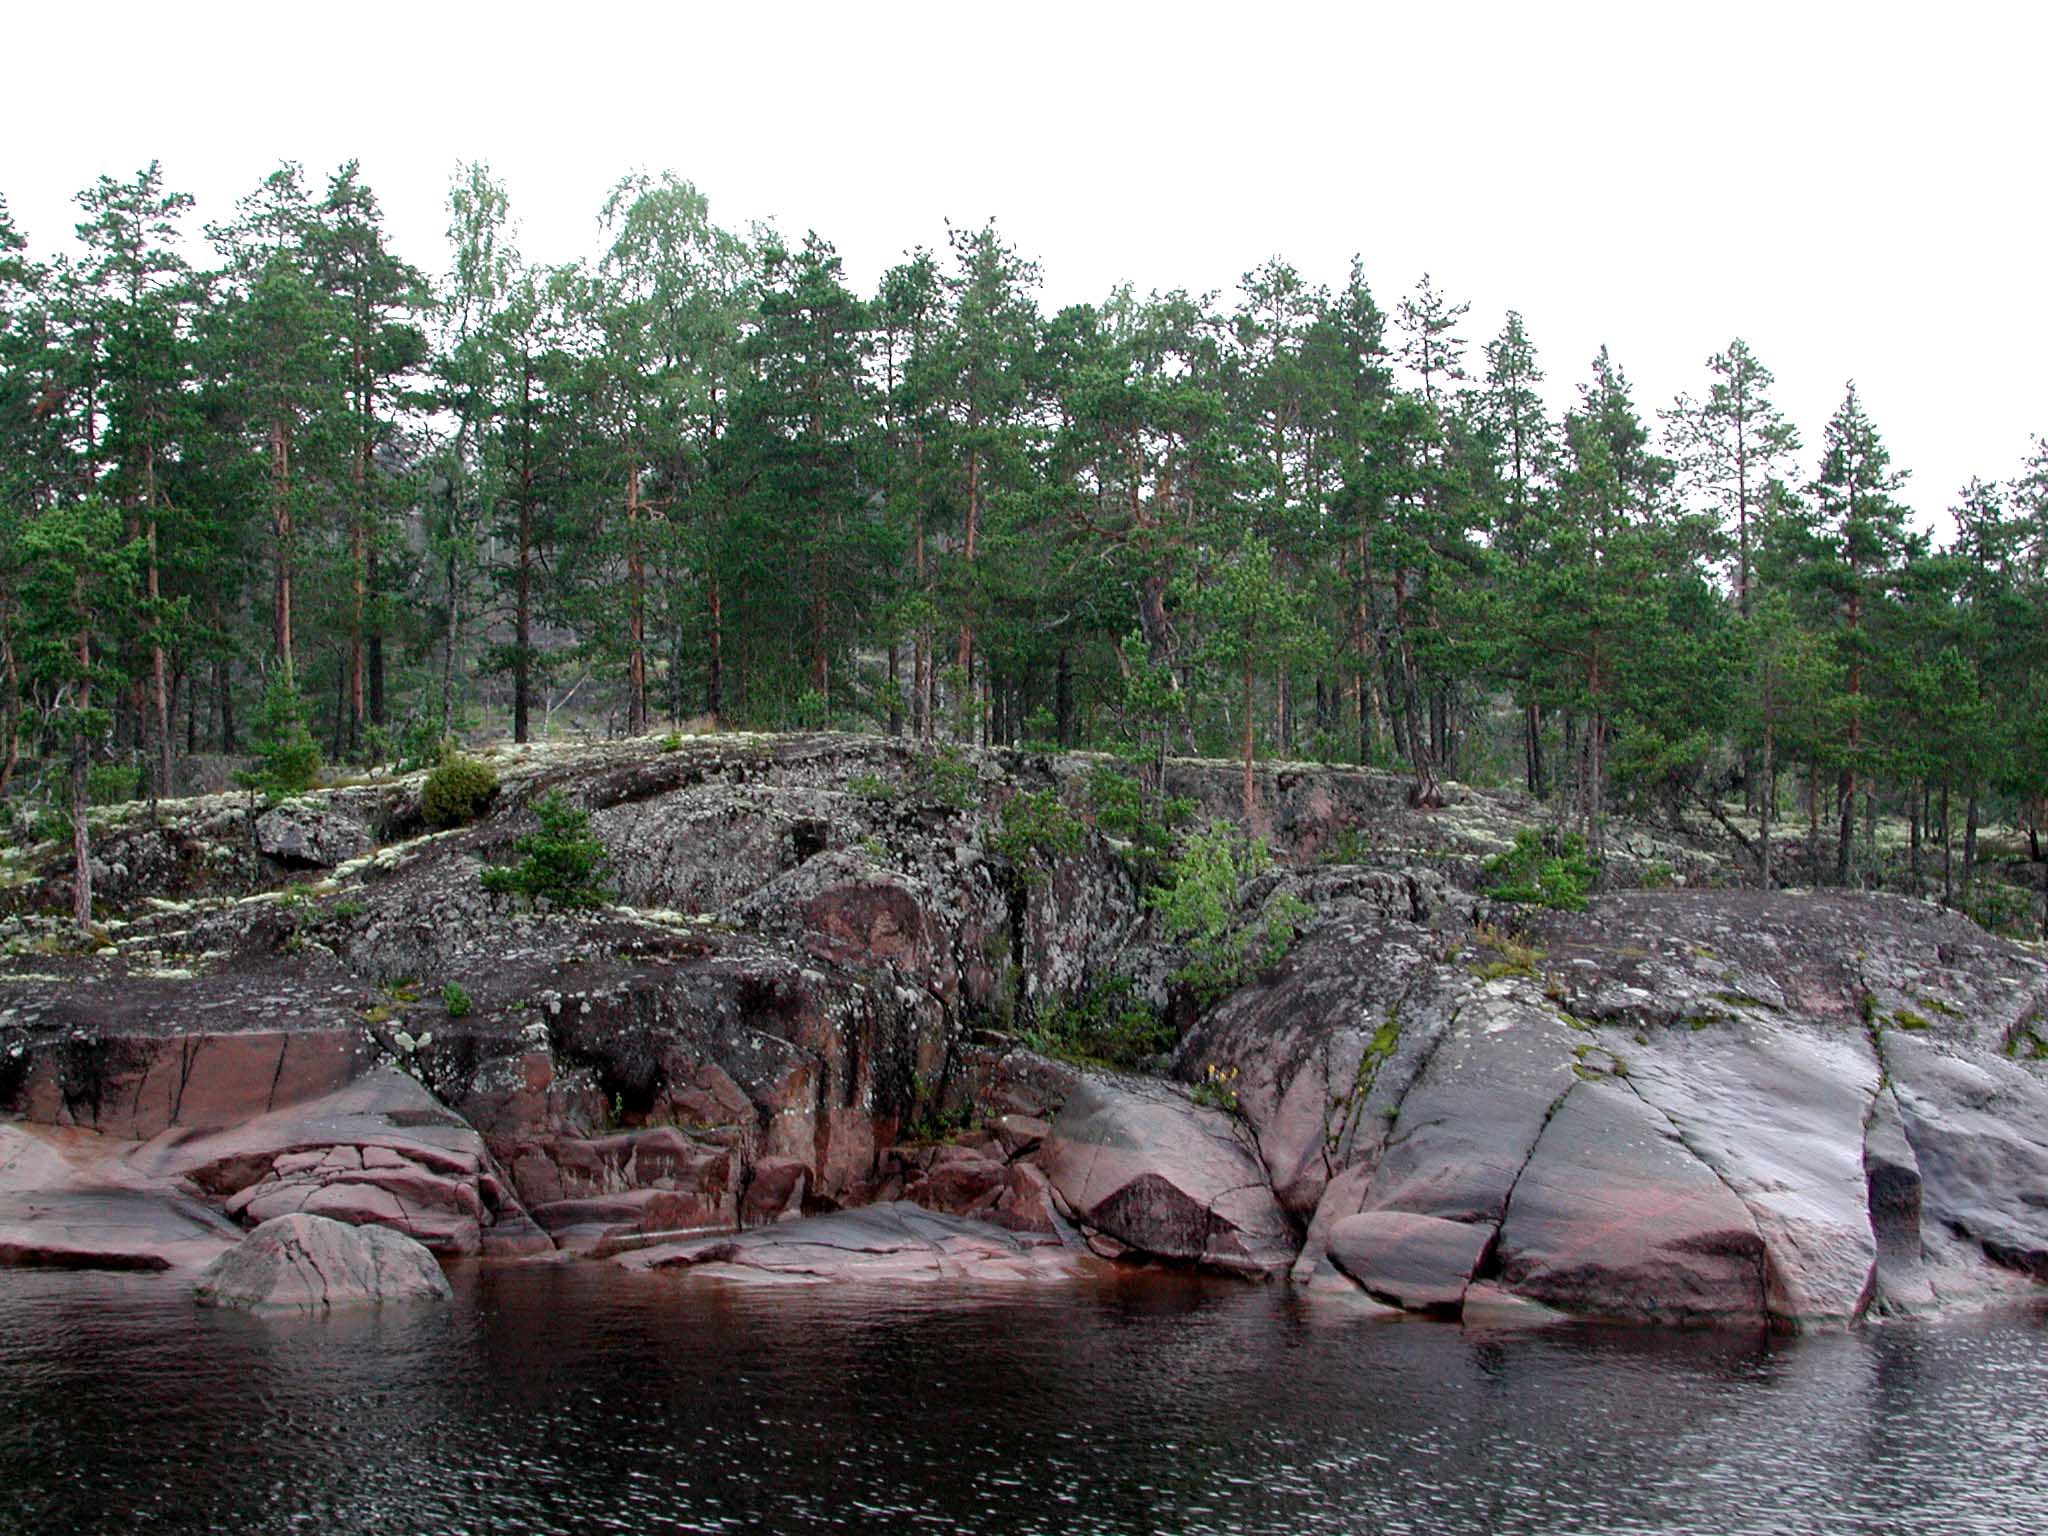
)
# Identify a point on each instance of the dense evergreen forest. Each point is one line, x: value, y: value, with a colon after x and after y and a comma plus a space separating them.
x: 303, y: 496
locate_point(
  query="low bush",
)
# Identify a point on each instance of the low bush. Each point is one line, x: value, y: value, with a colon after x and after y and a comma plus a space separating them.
x: 457, y: 792
x: 1109, y: 1025
x: 1537, y: 874
x: 1036, y: 832
x: 1198, y: 901
x: 287, y: 757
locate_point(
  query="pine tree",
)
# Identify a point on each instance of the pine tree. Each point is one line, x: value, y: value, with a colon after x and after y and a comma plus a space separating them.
x: 140, y: 299
x: 380, y: 303
x: 1251, y: 619
x: 1734, y: 450
x: 1865, y: 541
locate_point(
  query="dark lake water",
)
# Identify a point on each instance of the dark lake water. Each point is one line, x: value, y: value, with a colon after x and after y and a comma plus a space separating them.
x: 574, y: 1399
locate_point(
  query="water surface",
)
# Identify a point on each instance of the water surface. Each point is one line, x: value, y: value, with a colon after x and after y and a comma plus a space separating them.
x: 576, y: 1399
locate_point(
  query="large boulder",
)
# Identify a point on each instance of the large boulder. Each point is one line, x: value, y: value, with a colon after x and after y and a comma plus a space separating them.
x: 1421, y: 1263
x: 1975, y: 1125
x: 1307, y: 1046
x: 1140, y: 1164
x: 304, y: 1263
x: 309, y: 834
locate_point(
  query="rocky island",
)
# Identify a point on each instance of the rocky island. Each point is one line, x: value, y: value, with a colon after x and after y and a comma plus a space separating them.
x: 833, y: 1021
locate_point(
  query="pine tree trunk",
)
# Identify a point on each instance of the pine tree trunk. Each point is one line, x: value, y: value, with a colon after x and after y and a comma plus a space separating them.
x: 1813, y: 819
x: 1768, y: 809
x: 281, y: 530
x: 81, y: 795
x: 1970, y: 843
x: 1845, y: 813
x: 636, y: 614
x: 1913, y: 834
x: 972, y: 533
x: 1251, y: 800
x: 1063, y: 699
x: 448, y: 638
x: 1948, y: 884
x: 358, y: 591
x: 1596, y: 771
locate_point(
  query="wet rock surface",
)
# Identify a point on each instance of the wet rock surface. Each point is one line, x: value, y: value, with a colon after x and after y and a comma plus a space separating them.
x: 812, y: 1000
x: 890, y: 1243
x: 307, y: 1263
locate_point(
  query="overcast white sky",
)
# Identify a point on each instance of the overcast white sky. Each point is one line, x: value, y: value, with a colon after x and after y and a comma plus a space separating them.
x: 1857, y: 190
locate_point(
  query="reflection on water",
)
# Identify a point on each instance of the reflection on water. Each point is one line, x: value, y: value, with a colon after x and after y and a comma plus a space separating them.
x: 574, y: 1398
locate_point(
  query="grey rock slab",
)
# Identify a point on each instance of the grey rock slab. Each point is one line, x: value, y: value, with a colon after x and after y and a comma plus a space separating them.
x: 1165, y: 1177
x: 1466, y: 1127
x: 1778, y: 1114
x: 312, y: 834
x: 1614, y: 1218
x: 1978, y: 1126
x: 1419, y: 1263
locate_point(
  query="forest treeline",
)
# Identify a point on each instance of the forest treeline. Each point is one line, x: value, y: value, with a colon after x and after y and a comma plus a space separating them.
x: 302, y: 489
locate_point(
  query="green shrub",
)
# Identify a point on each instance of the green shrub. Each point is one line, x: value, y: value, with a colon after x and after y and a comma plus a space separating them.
x: 813, y: 711
x: 457, y: 792
x: 947, y: 777
x: 1122, y: 810
x: 560, y: 863
x: 424, y: 743
x: 870, y: 786
x: 672, y: 742
x: 1530, y: 872
x: 1999, y: 908
x: 1218, y: 1089
x: 1109, y: 1025
x: 1036, y: 831
x: 1041, y: 730
x: 1197, y: 904
x: 50, y: 824
x: 455, y: 1000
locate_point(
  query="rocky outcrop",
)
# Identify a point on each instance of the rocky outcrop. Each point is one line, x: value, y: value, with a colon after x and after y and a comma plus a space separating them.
x: 1682, y: 1107
x: 815, y: 993
x: 381, y: 1151
x: 311, y: 835
x: 307, y: 1263
x: 70, y: 1200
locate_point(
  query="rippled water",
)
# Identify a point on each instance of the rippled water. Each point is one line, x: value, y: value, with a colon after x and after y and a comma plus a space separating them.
x: 574, y: 1399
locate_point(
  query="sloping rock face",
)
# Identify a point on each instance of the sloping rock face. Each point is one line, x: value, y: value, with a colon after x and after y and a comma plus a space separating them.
x: 304, y: 1263
x: 809, y: 936
x: 315, y: 836
x: 1683, y: 1107
x: 70, y: 1200
x: 380, y: 1152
